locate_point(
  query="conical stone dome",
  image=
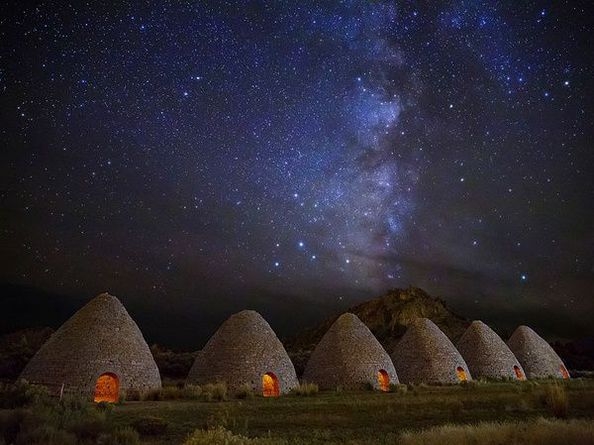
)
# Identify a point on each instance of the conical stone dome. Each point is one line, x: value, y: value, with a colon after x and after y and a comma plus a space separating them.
x: 100, y: 338
x: 243, y: 351
x: 350, y: 356
x: 487, y: 355
x: 537, y: 357
x: 426, y: 355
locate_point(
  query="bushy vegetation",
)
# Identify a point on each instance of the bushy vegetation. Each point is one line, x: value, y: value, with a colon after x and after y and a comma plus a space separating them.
x: 306, y: 390
x: 214, y: 392
x: 150, y: 426
x: 216, y: 436
x: 245, y: 391
x: 359, y: 417
x: 189, y: 414
x: 538, y: 432
x: 398, y: 388
x: 556, y: 400
x: 187, y: 392
x: 535, y: 432
x: 35, y: 417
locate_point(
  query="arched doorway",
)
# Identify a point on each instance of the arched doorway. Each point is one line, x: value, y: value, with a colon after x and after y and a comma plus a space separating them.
x: 384, y: 380
x: 564, y: 372
x: 461, y: 374
x: 107, y: 388
x: 519, y: 373
x: 270, y: 386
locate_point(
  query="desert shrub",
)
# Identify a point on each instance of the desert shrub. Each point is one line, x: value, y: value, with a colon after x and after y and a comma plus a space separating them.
x: 105, y: 407
x: 10, y: 423
x: 245, y: 391
x: 471, y: 384
x: 556, y: 400
x: 538, y: 432
x: 47, y: 420
x: 87, y: 424
x: 222, y: 436
x: 216, y: 436
x: 398, y: 388
x: 153, y: 395
x: 192, y: 392
x: 306, y: 390
x: 171, y: 393
x: 44, y: 434
x: 150, y: 426
x: 21, y: 393
x: 122, y: 436
x: 214, y: 392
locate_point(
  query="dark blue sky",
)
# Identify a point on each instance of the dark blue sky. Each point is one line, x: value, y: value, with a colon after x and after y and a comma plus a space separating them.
x: 324, y: 150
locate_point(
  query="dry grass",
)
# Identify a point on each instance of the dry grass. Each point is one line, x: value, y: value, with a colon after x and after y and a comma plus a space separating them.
x: 207, y: 393
x: 306, y: 390
x: 557, y: 401
x: 361, y: 417
x: 245, y: 391
x: 537, y: 432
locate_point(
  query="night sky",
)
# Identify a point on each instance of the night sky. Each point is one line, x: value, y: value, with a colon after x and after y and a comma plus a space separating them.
x: 188, y: 155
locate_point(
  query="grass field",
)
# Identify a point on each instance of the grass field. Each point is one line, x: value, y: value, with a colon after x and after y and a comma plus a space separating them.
x: 368, y: 417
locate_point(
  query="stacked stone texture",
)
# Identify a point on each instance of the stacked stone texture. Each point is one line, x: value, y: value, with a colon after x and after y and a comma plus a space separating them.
x: 537, y: 357
x: 348, y: 356
x: 100, y: 338
x: 243, y: 349
x: 486, y: 354
x: 426, y: 355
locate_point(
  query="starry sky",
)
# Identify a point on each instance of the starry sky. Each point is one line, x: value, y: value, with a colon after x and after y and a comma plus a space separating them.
x: 186, y: 155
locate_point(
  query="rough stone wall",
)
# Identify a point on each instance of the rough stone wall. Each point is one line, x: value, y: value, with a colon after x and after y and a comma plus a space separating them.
x: 537, y: 357
x: 348, y: 356
x: 486, y: 354
x: 101, y: 337
x: 242, y: 350
x: 426, y: 355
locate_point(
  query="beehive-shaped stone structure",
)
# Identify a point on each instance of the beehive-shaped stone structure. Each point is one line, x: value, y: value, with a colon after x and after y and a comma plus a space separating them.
x: 487, y: 355
x: 349, y: 356
x: 537, y: 357
x: 245, y: 351
x: 99, y: 352
x: 426, y: 355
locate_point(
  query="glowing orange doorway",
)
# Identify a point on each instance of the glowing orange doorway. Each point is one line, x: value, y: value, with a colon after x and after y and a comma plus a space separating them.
x: 461, y: 374
x: 270, y: 387
x: 384, y: 380
x: 564, y: 372
x: 107, y: 388
x: 519, y: 373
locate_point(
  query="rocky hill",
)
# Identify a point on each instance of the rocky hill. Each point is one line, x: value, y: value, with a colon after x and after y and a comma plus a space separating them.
x: 387, y: 317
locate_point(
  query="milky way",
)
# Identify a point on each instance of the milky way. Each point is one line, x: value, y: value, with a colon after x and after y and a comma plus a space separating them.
x: 325, y: 150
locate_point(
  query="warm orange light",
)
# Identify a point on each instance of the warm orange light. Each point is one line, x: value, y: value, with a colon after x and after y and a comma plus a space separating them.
x: 461, y: 374
x: 519, y: 374
x: 564, y: 372
x: 270, y: 387
x: 107, y: 388
x: 384, y: 380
